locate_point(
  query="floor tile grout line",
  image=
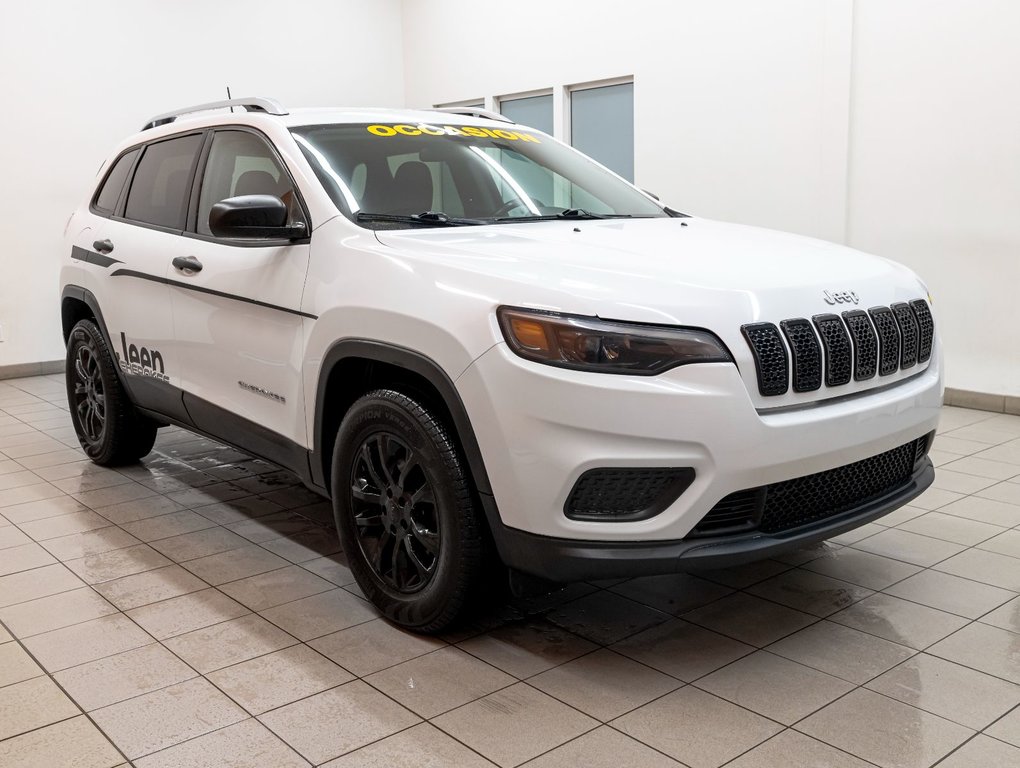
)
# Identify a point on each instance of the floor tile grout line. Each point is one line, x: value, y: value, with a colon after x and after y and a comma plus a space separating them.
x: 806, y: 735
x: 64, y: 691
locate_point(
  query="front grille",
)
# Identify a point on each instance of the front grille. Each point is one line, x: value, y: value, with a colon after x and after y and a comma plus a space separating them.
x: 865, y: 343
x: 807, y: 355
x: 769, y: 357
x: 838, y: 354
x: 626, y: 493
x: 856, y: 345
x: 790, y: 504
x: 889, y: 340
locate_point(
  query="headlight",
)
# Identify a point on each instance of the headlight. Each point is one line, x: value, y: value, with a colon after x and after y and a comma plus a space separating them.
x: 590, y: 344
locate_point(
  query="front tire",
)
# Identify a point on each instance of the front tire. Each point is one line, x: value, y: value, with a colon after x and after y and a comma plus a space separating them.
x: 109, y: 429
x: 404, y: 511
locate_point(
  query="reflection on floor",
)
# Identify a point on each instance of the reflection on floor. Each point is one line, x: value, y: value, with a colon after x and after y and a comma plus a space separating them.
x: 194, y: 610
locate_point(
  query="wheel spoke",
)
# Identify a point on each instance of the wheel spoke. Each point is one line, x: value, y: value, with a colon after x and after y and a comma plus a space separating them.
x: 90, y: 423
x: 409, y: 463
x: 419, y: 566
x: 79, y: 368
x: 398, y: 579
x: 368, y: 521
x: 423, y: 496
x: 377, y: 559
x: 428, y: 539
x: 366, y: 457
x: 367, y: 496
x: 381, y: 449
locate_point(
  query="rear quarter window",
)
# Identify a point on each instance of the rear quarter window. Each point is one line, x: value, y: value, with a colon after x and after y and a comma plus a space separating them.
x: 109, y: 191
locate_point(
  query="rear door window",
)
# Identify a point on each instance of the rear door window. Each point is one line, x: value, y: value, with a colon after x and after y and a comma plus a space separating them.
x: 159, y: 191
x: 109, y: 193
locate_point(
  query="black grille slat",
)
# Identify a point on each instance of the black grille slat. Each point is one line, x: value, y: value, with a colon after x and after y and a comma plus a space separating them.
x: 865, y: 344
x: 889, y: 340
x: 770, y: 357
x: 626, y: 493
x: 926, y: 329
x: 838, y: 353
x: 907, y: 323
x: 806, y: 353
x: 790, y: 504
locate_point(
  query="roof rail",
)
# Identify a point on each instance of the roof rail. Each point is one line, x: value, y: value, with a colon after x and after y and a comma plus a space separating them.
x: 268, y: 106
x: 474, y: 112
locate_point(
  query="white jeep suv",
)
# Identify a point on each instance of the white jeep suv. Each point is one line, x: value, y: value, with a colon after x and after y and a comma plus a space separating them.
x: 475, y: 339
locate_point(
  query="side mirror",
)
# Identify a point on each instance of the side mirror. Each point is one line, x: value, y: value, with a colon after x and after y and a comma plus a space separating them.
x: 253, y: 216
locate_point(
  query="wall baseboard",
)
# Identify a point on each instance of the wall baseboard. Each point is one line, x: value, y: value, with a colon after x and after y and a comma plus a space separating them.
x: 982, y: 401
x: 21, y: 370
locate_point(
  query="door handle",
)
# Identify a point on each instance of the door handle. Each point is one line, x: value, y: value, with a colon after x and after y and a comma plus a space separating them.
x: 103, y: 246
x: 187, y: 264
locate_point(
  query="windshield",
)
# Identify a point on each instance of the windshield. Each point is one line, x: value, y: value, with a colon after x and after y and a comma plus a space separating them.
x: 384, y: 175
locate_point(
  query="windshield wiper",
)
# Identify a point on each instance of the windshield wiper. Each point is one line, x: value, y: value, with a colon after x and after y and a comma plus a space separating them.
x: 427, y: 218
x: 566, y: 213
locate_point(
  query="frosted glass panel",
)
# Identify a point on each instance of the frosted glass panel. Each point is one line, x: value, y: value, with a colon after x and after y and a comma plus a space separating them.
x: 602, y: 126
x: 534, y: 111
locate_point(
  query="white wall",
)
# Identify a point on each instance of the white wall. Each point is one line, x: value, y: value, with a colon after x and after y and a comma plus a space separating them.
x: 890, y: 125
x: 81, y: 76
x: 740, y: 107
x: 935, y: 168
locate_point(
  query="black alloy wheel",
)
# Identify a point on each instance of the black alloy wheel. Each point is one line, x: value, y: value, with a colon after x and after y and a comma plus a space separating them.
x: 405, y: 511
x: 109, y: 429
x: 89, y: 398
x: 395, y: 513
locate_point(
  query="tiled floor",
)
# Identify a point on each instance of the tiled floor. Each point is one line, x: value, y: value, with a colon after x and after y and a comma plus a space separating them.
x: 194, y: 611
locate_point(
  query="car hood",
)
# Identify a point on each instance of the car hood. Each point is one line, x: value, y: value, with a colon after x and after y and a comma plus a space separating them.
x: 679, y: 271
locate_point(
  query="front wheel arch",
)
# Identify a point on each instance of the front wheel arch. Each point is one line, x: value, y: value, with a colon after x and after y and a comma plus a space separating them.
x: 352, y: 367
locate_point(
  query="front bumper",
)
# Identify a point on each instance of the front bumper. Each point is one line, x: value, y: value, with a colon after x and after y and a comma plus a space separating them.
x: 567, y: 560
x: 540, y: 428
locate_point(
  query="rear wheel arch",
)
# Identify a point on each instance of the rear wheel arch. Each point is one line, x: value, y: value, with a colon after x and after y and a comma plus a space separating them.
x: 353, y: 367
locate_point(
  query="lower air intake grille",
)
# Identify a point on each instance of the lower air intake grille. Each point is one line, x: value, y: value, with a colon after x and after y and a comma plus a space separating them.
x: 736, y: 512
x: 790, y: 504
x: 626, y: 493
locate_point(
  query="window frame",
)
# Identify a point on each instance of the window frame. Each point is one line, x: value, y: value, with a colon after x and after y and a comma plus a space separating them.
x: 122, y: 195
x: 191, y: 220
x: 119, y: 214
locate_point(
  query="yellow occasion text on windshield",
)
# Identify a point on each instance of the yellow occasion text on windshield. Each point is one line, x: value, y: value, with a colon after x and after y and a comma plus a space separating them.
x: 450, y: 130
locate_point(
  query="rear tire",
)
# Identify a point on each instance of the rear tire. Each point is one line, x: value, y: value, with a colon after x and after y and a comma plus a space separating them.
x: 109, y: 429
x: 404, y: 511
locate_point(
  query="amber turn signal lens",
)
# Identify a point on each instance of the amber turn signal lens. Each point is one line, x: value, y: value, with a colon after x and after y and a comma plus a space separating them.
x: 529, y: 333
